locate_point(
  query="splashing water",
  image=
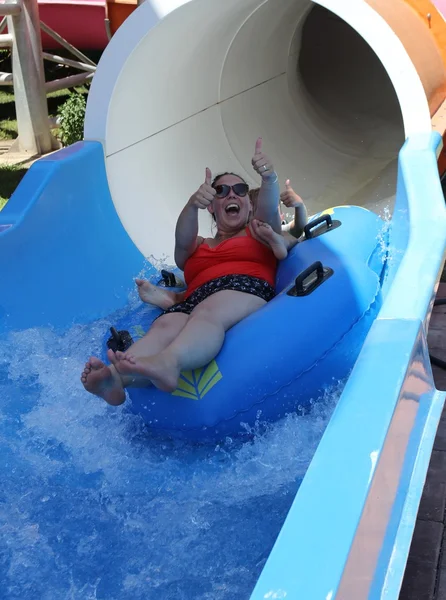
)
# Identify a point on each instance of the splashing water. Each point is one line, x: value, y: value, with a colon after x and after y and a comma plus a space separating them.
x: 92, y: 508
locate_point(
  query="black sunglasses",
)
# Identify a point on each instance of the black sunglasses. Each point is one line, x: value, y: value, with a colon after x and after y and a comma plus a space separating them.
x: 241, y: 189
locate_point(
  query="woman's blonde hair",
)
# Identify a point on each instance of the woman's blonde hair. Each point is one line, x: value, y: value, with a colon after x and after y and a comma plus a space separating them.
x: 254, y: 196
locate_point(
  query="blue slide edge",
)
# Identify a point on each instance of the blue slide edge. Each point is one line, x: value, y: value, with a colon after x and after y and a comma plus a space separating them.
x: 383, y: 427
x: 65, y: 257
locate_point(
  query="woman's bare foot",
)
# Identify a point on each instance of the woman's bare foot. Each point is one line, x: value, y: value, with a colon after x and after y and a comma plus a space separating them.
x: 152, y: 294
x: 162, y: 371
x: 270, y: 238
x: 99, y: 379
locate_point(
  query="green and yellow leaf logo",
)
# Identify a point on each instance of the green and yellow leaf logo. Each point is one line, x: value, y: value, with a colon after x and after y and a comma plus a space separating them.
x: 197, y: 383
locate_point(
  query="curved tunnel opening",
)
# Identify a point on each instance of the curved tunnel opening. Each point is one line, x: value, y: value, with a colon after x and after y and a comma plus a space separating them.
x: 337, y: 126
x: 310, y: 85
x: 346, y: 84
x: 352, y: 105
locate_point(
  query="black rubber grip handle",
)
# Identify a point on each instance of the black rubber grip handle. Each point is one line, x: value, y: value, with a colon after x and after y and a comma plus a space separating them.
x: 169, y: 278
x: 316, y: 223
x: 315, y: 267
x: 115, y: 335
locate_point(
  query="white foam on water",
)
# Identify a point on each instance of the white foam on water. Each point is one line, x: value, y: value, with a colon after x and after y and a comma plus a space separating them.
x: 92, y: 508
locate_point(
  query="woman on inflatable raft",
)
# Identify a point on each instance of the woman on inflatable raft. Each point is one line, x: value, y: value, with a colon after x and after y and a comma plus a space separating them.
x: 228, y: 277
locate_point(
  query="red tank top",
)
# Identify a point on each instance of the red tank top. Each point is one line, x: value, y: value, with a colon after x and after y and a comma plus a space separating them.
x: 242, y: 255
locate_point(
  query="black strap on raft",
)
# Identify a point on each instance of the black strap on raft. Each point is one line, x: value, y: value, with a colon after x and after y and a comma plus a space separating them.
x: 434, y: 360
x: 119, y: 340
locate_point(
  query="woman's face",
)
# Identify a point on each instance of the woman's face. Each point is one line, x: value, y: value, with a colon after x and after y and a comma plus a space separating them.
x: 232, y: 211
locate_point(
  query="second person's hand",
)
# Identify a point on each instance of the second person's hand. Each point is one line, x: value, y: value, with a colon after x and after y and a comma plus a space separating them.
x: 289, y: 197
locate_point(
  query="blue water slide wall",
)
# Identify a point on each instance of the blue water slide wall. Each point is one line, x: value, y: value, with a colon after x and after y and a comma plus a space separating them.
x: 64, y: 255
x: 349, y: 529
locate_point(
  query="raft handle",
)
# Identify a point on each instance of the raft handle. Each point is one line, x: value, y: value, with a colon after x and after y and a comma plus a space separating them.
x: 119, y: 340
x: 303, y: 287
x: 316, y: 222
x: 168, y: 279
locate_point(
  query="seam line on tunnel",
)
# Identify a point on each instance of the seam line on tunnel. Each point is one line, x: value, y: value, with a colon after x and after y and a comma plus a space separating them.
x: 195, y: 114
x: 220, y: 79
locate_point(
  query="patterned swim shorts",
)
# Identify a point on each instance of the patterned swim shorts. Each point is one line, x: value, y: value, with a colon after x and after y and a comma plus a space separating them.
x: 238, y: 283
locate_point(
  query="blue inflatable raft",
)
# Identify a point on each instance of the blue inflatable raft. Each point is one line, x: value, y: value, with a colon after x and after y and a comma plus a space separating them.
x: 282, y: 357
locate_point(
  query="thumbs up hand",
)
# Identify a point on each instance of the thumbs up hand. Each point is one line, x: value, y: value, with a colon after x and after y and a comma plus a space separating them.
x: 289, y: 197
x: 205, y: 194
x: 261, y: 162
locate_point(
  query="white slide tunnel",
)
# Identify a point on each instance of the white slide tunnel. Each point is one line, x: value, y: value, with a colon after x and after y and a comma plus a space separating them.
x: 327, y: 85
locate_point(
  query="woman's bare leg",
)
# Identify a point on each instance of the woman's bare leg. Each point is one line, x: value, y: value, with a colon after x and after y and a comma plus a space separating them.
x: 106, y: 382
x: 197, y: 344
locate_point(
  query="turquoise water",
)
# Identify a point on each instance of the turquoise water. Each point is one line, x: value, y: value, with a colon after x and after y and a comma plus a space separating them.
x: 92, y: 508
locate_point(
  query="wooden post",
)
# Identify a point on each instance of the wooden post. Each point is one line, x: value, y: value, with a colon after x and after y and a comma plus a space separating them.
x: 29, y: 82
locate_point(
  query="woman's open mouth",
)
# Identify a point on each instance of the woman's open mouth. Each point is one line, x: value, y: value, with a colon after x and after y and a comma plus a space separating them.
x: 232, y: 209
